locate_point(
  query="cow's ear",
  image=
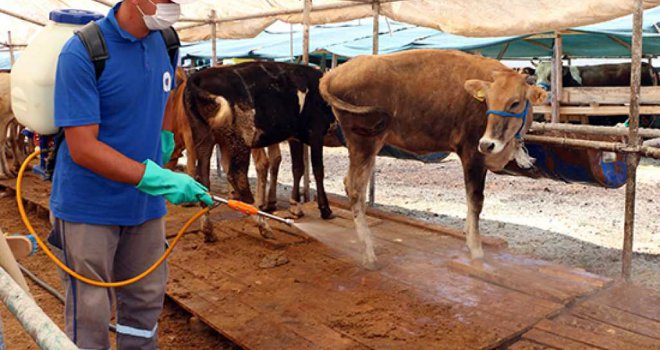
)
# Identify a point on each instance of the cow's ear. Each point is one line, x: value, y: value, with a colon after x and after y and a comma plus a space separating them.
x: 477, y: 88
x: 536, y: 95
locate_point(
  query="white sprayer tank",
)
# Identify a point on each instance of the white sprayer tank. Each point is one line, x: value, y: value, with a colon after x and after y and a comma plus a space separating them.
x: 33, y: 74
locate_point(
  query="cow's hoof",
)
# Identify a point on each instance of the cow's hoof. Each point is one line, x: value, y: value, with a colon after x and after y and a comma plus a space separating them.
x: 296, y: 213
x: 209, y: 237
x: 477, y: 254
x: 266, y: 233
x: 326, y: 214
x: 271, y: 207
x: 371, y: 265
x: 207, y: 231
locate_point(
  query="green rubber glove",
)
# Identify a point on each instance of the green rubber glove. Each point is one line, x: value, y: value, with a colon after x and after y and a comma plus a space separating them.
x: 177, y: 188
x: 167, y: 144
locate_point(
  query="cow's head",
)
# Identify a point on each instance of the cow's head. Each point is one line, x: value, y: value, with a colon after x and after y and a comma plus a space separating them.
x: 509, y: 99
x: 544, y: 72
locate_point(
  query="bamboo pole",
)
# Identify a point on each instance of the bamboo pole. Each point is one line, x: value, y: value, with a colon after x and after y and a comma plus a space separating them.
x: 556, y: 77
x: 35, y: 322
x: 633, y: 141
x: 307, y: 9
x: 374, y: 50
x: 591, y: 130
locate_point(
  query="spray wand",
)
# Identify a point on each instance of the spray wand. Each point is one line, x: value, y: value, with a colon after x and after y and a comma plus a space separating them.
x: 250, y: 209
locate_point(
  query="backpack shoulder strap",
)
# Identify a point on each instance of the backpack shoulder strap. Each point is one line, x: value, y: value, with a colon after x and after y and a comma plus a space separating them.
x: 172, y: 43
x: 92, y: 38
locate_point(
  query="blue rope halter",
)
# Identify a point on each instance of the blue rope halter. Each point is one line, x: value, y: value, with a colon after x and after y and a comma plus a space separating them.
x: 545, y: 86
x: 522, y: 115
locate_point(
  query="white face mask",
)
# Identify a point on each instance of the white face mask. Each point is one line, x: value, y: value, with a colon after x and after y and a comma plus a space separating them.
x: 166, y: 15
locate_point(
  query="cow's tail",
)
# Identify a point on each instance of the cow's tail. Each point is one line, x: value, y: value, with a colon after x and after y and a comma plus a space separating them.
x: 338, y: 103
x: 224, y: 115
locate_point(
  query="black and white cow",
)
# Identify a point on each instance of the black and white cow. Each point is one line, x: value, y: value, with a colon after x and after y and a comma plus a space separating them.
x: 255, y: 105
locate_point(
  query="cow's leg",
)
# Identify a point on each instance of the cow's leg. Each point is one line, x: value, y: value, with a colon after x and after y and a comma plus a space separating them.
x: 202, y: 174
x: 261, y: 164
x: 474, y: 175
x: 275, y: 159
x: 191, y: 153
x: 317, y: 166
x: 224, y: 162
x: 237, y: 175
x: 298, y: 169
x: 362, y: 156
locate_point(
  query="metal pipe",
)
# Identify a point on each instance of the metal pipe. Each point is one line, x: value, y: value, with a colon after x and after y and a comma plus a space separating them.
x: 633, y: 140
x: 35, y: 322
x: 592, y: 130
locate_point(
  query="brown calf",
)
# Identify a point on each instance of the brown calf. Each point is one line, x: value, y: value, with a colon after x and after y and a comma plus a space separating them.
x: 425, y: 101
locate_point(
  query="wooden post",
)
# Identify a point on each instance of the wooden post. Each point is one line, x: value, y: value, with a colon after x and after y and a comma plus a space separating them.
x: 333, y: 64
x: 214, y: 36
x: 374, y: 48
x: 214, y: 62
x: 11, y: 49
x: 556, y: 78
x: 291, y: 42
x: 306, y: 12
x: 632, y: 160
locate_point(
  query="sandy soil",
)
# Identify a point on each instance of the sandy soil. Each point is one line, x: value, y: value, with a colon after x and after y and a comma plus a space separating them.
x: 572, y: 224
x: 176, y: 330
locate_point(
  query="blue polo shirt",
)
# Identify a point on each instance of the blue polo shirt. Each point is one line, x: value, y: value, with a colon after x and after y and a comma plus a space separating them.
x: 127, y: 102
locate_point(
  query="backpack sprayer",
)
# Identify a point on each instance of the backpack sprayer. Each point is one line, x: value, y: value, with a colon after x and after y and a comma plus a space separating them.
x: 32, y: 90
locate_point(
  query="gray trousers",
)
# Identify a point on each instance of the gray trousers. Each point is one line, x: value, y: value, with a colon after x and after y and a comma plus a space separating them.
x: 112, y: 253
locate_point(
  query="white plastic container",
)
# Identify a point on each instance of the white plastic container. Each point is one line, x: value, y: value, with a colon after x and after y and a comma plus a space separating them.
x: 33, y: 74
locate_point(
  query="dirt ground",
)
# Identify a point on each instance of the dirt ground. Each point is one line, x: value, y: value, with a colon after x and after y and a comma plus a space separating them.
x: 175, y: 330
x: 572, y: 224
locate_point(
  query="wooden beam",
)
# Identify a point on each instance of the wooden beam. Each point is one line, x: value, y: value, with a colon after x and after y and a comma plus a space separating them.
x: 21, y: 17
x: 597, y: 110
x: 608, y: 95
x: 591, y: 129
x: 619, y: 41
x: 503, y: 50
x: 536, y: 43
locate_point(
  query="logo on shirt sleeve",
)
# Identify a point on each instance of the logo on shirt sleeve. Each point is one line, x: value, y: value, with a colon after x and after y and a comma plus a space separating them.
x: 167, y: 81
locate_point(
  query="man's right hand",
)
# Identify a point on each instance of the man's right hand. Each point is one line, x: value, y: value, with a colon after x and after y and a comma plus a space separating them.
x: 177, y: 188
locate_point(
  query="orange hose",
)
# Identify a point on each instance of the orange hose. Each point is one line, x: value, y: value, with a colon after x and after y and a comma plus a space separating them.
x: 21, y: 209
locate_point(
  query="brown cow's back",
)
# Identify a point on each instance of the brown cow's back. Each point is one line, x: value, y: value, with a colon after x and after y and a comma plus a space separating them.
x: 417, y: 86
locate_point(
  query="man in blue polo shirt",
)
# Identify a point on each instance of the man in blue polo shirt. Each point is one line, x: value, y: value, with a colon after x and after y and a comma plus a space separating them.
x: 108, y: 186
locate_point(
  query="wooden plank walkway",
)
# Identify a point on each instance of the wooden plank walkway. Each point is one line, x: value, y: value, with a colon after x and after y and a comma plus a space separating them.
x: 427, y: 295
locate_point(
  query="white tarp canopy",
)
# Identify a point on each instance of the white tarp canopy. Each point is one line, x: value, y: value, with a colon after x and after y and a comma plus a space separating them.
x: 477, y: 18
